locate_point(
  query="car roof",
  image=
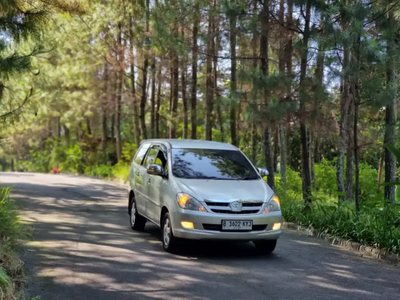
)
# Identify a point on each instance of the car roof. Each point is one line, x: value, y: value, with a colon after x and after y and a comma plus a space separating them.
x: 192, y: 144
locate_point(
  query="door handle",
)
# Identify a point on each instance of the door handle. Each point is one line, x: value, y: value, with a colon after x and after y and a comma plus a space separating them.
x: 149, y: 181
x: 137, y: 173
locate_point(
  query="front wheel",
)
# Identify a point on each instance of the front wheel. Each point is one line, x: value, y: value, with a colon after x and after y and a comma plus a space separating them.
x: 169, y: 241
x: 137, y: 221
x: 266, y: 246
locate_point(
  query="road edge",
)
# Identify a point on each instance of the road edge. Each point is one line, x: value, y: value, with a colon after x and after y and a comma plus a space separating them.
x: 363, y: 250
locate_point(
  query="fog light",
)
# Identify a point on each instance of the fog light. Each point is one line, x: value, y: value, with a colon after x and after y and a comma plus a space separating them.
x: 276, y: 226
x: 187, y: 225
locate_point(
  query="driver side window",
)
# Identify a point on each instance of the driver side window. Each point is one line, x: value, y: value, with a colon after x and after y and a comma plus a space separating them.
x: 151, y: 157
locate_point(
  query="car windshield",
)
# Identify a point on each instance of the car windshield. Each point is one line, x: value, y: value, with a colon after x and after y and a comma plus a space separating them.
x: 212, y: 164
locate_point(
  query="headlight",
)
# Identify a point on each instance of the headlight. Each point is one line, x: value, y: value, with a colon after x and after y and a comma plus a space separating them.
x: 188, y: 202
x: 272, y: 205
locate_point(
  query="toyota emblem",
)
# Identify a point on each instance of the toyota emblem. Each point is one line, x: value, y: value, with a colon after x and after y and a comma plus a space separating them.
x: 236, y: 206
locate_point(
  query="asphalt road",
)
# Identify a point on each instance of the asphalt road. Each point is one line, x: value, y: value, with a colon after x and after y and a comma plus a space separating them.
x: 83, y: 248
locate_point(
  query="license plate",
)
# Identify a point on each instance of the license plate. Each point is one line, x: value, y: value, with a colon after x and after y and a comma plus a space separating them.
x: 237, y: 225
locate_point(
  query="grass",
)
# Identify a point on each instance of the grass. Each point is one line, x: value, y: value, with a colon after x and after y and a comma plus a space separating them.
x: 373, y: 226
x: 12, y: 277
x: 376, y: 224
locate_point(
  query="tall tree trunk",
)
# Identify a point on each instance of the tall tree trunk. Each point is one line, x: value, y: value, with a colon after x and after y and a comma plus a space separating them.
x: 209, y: 74
x: 319, y: 93
x: 193, y: 115
x: 142, y: 114
x: 289, y: 64
x: 153, y: 97
x: 88, y: 127
x: 253, y: 132
x: 103, y: 131
x: 380, y: 170
x: 135, y: 108
x: 276, y: 148
x: 356, y: 157
x: 184, y: 89
x: 104, y: 101
x: 349, y: 158
x: 266, y: 136
x: 233, y: 96
x: 159, y: 78
x: 67, y: 134
x: 344, y: 114
x: 118, y: 97
x: 58, y: 127
x: 112, y: 126
x: 281, y: 124
x: 390, y: 120
x: 143, y: 99
x: 253, y: 153
x: 355, y: 55
x: 307, y: 196
x: 313, y: 141
x: 184, y: 102
x: 175, y: 90
x: 216, y: 89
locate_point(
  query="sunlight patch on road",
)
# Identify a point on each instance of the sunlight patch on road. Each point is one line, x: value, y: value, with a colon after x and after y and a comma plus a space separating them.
x: 340, y: 288
x: 323, y: 282
x: 337, y: 266
x: 349, y: 276
x: 308, y: 243
x: 67, y: 276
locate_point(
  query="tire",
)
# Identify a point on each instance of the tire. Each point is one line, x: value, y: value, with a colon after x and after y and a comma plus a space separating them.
x: 169, y: 241
x: 266, y: 246
x: 137, y: 221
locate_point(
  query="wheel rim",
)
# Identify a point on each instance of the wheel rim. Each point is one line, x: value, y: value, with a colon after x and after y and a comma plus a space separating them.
x: 133, y: 214
x: 167, y: 233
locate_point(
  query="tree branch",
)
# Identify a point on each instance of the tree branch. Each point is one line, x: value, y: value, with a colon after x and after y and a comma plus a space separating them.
x: 19, y: 107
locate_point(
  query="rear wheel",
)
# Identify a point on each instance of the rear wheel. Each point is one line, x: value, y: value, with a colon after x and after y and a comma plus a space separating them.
x: 169, y: 241
x: 266, y: 246
x: 137, y: 221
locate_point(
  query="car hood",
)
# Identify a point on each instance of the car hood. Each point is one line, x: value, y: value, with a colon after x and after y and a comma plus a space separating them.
x: 204, y: 189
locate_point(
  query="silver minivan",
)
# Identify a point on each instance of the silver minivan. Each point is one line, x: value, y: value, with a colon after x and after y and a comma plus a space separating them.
x: 202, y: 190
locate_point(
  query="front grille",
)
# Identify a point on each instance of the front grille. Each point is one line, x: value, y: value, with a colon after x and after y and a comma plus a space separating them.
x: 221, y: 211
x: 222, y: 207
x: 218, y: 227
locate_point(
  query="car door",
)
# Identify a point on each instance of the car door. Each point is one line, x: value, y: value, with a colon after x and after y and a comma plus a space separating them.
x: 147, y: 179
x: 155, y: 184
x: 136, y: 177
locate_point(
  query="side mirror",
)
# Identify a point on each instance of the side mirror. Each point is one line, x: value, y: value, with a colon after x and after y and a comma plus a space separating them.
x: 263, y: 172
x: 155, y: 170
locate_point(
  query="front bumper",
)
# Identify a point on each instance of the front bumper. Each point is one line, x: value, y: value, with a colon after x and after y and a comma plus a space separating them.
x: 264, y: 221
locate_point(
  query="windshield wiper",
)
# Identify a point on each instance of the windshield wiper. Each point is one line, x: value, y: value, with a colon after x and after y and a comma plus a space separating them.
x: 202, y: 177
x: 246, y: 178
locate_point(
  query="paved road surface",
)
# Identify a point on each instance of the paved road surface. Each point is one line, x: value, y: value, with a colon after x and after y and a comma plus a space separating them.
x: 83, y: 248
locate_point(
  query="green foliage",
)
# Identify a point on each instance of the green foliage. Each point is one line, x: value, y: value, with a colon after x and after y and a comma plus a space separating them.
x: 5, y: 280
x: 9, y: 221
x: 74, y: 160
x: 11, y: 267
x: 121, y: 171
x: 103, y: 171
x: 375, y: 226
x: 325, y: 177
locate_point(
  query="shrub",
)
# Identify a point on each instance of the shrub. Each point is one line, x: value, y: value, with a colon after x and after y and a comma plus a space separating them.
x: 12, y: 276
x: 74, y: 160
x: 121, y: 171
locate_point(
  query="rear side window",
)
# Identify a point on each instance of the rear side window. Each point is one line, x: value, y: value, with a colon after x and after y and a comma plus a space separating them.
x: 141, y: 153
